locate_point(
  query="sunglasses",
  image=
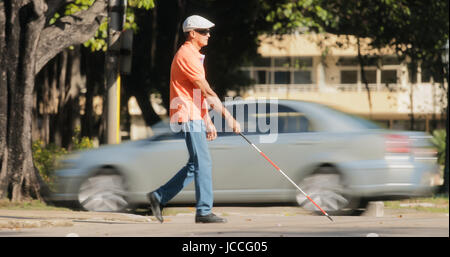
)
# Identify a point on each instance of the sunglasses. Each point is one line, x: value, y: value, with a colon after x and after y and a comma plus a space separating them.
x: 203, y: 32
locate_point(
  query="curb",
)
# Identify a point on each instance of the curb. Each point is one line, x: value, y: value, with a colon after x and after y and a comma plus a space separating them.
x: 17, y: 224
x: 18, y: 219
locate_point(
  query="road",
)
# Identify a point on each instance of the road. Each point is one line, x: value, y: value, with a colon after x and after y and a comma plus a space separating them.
x: 242, y: 222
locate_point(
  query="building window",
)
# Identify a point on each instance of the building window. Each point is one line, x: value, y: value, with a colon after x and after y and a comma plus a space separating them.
x: 283, y: 62
x: 347, y: 61
x: 426, y: 75
x: 412, y: 72
x: 349, y: 77
x: 282, y: 77
x: 302, y: 77
x: 281, y: 70
x: 261, y: 77
x: 371, y: 76
x: 389, y: 76
x: 302, y: 62
x: 262, y: 62
x: 354, y: 61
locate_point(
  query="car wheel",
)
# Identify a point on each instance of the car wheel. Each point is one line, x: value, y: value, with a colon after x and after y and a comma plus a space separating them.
x: 325, y: 188
x: 103, y: 193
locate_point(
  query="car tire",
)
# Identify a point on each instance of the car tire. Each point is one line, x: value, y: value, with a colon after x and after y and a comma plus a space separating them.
x: 326, y: 188
x: 103, y: 192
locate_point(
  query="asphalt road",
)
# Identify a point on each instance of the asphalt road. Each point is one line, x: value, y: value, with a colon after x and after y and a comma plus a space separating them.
x: 242, y: 222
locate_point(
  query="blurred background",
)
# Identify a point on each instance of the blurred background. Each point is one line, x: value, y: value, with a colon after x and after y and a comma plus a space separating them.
x: 386, y: 61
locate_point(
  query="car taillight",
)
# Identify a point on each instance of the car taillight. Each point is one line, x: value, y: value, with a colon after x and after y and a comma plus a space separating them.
x: 397, y: 144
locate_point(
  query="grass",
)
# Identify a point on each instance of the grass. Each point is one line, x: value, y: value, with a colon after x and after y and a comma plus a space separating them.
x: 173, y: 211
x: 435, y: 204
x: 29, y: 205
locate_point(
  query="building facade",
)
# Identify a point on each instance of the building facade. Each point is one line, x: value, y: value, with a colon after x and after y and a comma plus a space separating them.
x: 325, y: 68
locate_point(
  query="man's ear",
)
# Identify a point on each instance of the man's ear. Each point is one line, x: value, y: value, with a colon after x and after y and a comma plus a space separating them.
x: 192, y: 34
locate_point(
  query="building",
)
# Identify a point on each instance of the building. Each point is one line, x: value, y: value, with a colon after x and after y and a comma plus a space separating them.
x: 324, y: 68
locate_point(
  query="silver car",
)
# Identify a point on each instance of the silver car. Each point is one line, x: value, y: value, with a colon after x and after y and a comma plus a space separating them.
x: 341, y: 161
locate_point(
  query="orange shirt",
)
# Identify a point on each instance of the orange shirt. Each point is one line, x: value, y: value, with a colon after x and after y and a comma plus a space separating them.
x: 186, y: 99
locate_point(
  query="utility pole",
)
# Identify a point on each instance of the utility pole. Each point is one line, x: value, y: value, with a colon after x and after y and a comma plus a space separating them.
x: 116, y: 18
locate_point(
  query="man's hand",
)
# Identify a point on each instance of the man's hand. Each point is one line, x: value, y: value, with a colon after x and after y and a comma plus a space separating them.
x: 211, y: 132
x: 236, y: 127
x: 213, y: 100
x: 233, y: 124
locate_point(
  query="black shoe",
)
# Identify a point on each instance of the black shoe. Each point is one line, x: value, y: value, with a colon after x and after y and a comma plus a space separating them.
x: 210, y: 218
x: 155, y: 206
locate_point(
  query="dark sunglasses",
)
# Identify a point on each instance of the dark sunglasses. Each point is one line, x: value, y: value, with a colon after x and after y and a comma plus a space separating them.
x: 202, y: 31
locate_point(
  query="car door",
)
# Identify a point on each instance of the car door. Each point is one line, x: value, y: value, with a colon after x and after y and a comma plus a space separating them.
x: 239, y: 172
x: 236, y: 165
x: 296, y: 142
x: 158, y: 160
x: 293, y: 148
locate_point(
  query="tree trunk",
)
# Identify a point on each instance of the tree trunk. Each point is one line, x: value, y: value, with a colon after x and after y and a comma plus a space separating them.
x: 445, y: 187
x: 28, y: 20
x: 24, y: 50
x: 3, y: 103
x: 363, y: 76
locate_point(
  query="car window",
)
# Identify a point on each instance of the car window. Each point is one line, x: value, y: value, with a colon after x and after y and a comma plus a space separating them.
x: 290, y: 120
x: 245, y: 114
x: 255, y: 119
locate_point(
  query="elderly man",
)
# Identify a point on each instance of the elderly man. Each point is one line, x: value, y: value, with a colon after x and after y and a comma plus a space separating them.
x: 188, y: 92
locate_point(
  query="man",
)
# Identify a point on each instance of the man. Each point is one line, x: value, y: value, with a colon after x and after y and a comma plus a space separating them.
x: 188, y: 92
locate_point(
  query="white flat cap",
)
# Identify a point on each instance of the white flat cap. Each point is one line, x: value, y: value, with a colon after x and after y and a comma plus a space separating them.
x: 196, y: 22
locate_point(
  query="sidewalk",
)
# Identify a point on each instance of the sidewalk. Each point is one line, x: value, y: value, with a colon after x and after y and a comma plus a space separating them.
x: 18, y: 219
x: 11, y: 219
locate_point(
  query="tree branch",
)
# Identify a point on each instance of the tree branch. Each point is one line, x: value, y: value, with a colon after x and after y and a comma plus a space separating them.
x: 53, y: 6
x: 69, y: 30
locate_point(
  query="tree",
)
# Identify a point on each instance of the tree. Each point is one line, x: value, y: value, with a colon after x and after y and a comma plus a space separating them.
x: 27, y: 43
x: 417, y: 30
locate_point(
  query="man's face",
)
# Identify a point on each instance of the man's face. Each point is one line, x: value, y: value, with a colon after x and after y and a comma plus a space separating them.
x: 201, y: 36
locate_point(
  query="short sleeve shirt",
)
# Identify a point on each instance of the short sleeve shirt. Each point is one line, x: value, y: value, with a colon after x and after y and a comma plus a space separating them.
x: 186, y: 99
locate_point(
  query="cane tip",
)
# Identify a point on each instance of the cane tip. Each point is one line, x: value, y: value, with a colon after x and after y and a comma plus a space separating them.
x: 330, y: 218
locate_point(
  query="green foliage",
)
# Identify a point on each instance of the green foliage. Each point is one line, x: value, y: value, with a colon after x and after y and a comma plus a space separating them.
x: 46, y: 156
x: 78, y: 5
x: 146, y: 4
x: 439, y: 140
x: 415, y: 29
x: 289, y: 16
x: 80, y: 143
x: 99, y: 41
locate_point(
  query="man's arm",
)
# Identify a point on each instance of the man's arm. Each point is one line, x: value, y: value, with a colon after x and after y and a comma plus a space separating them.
x: 213, y: 100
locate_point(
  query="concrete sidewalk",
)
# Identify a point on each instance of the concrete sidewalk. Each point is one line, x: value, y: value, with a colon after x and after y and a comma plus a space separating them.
x: 10, y: 219
x: 18, y: 219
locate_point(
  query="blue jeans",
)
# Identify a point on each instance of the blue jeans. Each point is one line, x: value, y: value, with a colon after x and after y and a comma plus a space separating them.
x: 198, y: 168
